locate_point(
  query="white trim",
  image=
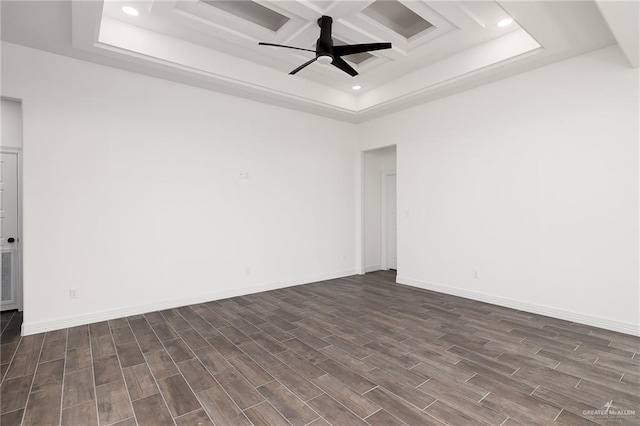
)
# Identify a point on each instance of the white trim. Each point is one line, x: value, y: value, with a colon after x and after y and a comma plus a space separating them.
x: 65, y: 322
x: 10, y: 150
x: 359, y: 258
x: 609, y: 324
x: 373, y: 268
x: 20, y: 234
x: 384, y: 231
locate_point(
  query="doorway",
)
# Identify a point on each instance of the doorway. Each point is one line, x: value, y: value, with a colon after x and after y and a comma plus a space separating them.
x: 9, y: 253
x: 10, y: 193
x: 379, y: 210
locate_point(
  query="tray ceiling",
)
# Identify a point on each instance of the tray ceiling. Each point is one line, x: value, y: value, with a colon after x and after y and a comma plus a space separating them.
x: 439, y: 47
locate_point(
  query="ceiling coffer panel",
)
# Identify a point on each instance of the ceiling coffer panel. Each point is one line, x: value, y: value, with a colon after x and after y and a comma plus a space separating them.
x: 397, y: 17
x: 252, y: 12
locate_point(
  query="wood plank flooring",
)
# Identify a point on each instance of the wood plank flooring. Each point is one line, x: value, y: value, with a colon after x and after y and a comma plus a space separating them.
x: 360, y: 350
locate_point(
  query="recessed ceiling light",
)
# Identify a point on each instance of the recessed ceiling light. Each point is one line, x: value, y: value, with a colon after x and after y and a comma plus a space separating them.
x: 356, y: 87
x: 131, y: 11
x: 505, y: 22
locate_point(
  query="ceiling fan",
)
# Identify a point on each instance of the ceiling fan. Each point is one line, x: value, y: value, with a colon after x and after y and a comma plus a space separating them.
x: 327, y: 53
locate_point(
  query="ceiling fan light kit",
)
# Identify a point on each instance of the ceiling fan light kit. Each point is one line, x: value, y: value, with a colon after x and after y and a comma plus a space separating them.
x: 327, y: 53
x: 325, y: 59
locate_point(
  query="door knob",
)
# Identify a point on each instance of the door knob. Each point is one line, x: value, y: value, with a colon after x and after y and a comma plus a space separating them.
x: 10, y: 239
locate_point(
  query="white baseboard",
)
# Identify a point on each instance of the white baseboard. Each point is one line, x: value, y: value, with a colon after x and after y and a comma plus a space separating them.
x: 609, y: 324
x: 372, y: 268
x: 59, y: 323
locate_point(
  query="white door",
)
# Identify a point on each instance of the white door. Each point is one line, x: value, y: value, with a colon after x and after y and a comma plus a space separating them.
x: 9, y: 230
x: 391, y: 225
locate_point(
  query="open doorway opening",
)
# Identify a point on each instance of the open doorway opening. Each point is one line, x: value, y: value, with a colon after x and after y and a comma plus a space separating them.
x: 379, y: 207
x: 10, y: 220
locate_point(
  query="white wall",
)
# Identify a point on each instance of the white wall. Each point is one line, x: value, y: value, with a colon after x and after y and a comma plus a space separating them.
x: 132, y: 193
x: 375, y: 164
x: 11, y: 112
x: 532, y: 181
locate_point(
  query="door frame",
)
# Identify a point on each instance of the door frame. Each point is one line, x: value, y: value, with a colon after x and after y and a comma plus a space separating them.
x: 360, y: 268
x: 19, y: 284
x: 383, y: 217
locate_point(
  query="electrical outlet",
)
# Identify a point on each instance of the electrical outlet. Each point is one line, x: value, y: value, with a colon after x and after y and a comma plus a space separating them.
x: 247, y: 270
x: 73, y: 293
x: 244, y: 175
x: 476, y: 274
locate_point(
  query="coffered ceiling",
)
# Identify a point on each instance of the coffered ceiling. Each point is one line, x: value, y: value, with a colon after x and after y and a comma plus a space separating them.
x: 439, y: 47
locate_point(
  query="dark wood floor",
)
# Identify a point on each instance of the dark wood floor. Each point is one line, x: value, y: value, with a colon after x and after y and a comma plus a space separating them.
x: 358, y: 350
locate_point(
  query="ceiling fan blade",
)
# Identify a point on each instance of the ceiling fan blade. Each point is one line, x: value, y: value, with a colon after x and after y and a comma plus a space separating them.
x: 302, y: 66
x: 288, y: 47
x: 352, y: 49
x: 344, y: 66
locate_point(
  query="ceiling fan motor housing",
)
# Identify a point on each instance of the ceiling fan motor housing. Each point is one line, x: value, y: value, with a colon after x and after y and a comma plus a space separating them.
x: 324, y: 45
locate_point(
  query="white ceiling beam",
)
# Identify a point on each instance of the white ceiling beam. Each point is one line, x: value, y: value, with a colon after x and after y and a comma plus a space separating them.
x: 623, y: 19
